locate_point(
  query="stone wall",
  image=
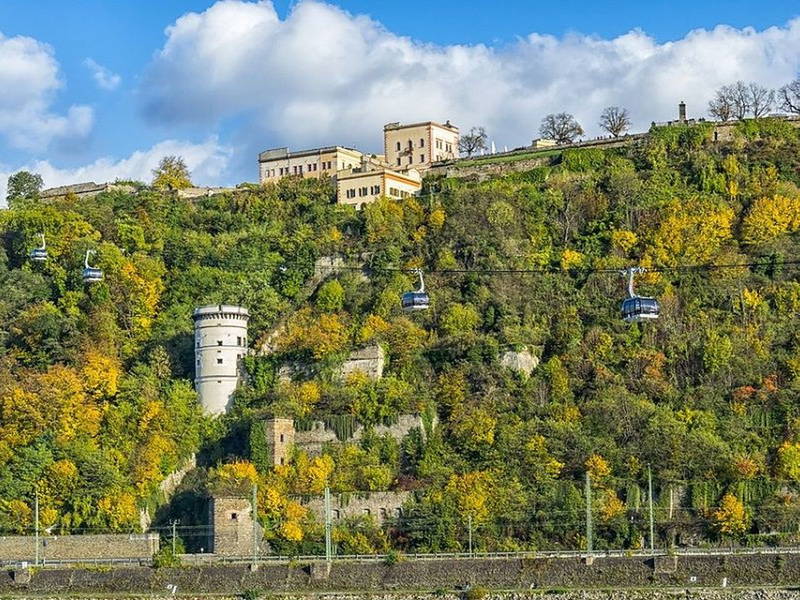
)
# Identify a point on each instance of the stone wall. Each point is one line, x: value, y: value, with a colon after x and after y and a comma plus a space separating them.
x: 368, y: 360
x: 231, y: 522
x: 84, y: 190
x: 379, y: 505
x: 315, y: 438
x: 529, y: 575
x: 79, y: 547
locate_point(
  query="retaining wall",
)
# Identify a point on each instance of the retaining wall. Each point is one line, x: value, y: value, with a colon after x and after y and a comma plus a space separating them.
x: 79, y: 547
x: 429, y: 575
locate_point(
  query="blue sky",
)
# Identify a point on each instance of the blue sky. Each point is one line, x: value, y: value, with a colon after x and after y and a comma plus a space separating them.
x: 98, y: 89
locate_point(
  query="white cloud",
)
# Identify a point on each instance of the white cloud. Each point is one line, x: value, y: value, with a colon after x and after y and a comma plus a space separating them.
x: 29, y: 78
x: 324, y: 76
x: 207, y: 161
x: 103, y: 77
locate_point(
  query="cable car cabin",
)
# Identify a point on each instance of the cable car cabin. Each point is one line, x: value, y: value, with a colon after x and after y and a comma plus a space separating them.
x: 92, y: 275
x: 38, y: 254
x: 639, y: 309
x: 415, y: 301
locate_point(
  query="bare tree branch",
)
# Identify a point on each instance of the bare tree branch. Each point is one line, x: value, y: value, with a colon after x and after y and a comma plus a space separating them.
x: 761, y: 100
x: 615, y: 120
x: 789, y: 97
x: 473, y: 142
x: 561, y: 127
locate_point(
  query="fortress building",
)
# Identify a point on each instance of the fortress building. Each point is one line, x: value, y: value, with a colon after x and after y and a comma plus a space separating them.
x: 279, y: 162
x: 361, y: 178
x: 418, y: 145
x: 220, y: 344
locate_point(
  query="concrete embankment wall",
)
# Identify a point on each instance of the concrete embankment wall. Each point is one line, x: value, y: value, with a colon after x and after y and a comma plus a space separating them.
x: 429, y: 575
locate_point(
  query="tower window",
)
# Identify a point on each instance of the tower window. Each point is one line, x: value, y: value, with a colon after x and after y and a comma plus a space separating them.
x: 219, y: 361
x: 234, y: 516
x: 238, y: 340
x: 219, y: 342
x: 281, y: 437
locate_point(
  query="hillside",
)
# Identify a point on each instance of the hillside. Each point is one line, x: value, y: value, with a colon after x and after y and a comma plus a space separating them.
x: 97, y: 406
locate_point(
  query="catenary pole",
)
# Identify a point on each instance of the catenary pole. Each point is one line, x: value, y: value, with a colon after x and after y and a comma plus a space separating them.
x: 328, y: 545
x: 469, y: 521
x: 36, y: 526
x: 255, y: 524
x: 588, y: 513
x: 650, y: 508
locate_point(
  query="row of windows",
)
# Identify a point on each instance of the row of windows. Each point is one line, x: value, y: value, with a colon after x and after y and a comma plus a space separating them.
x: 399, y: 146
x: 442, y: 145
x: 384, y: 512
x: 299, y: 169
x: 240, y: 341
x: 396, y: 193
x: 411, y: 159
x: 372, y: 190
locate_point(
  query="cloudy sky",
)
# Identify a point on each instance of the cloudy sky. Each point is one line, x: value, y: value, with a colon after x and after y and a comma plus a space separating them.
x: 101, y: 89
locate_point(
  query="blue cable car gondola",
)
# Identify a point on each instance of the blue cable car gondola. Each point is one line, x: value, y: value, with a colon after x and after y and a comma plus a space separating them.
x: 91, y: 274
x: 637, y: 308
x: 418, y: 299
x: 39, y: 254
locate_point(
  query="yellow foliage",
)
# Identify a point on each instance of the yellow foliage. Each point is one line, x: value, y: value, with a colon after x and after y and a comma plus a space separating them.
x: 623, y: 240
x: 436, y: 218
x: 475, y: 427
x: 312, y: 475
x: 731, y: 518
x: 572, y: 258
x: 100, y: 374
x: 321, y: 335
x: 238, y: 472
x: 598, y: 467
x: 745, y: 467
x: 751, y: 298
x: 119, y: 509
x: 690, y: 232
x: 471, y: 492
x: 771, y: 217
x: 292, y: 531
x: 373, y: 326
x: 610, y: 506
x: 789, y: 461
x: 295, y: 511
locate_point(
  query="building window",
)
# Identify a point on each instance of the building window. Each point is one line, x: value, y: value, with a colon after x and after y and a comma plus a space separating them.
x: 421, y: 142
x: 398, y: 146
x: 335, y: 512
x: 410, y: 145
x: 398, y: 161
x: 234, y: 516
x: 398, y: 512
x: 422, y: 158
x: 238, y: 340
x: 219, y: 361
x: 367, y: 511
x: 219, y: 342
x: 410, y: 159
x: 384, y: 515
x: 198, y: 362
x: 283, y: 460
x: 281, y: 438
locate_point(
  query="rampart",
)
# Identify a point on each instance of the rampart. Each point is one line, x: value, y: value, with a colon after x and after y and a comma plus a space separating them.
x: 79, y: 547
x: 319, y: 434
x: 526, y: 575
x: 381, y: 506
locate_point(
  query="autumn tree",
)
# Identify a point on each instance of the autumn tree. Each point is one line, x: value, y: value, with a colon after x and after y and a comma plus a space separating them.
x: 731, y: 518
x: 561, y: 127
x: 171, y: 174
x: 721, y: 106
x: 473, y: 142
x: 615, y: 120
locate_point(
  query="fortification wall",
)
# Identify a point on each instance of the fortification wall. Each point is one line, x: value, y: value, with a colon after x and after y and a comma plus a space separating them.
x: 313, y: 440
x: 535, y: 574
x: 379, y: 505
x: 79, y: 547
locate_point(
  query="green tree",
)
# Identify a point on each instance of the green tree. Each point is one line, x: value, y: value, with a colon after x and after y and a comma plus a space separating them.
x: 22, y: 185
x: 171, y: 174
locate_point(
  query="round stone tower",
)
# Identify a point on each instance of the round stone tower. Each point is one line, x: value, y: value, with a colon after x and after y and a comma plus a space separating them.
x: 220, y: 343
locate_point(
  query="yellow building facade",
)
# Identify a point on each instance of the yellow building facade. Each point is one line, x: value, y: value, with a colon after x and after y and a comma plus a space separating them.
x: 418, y: 145
x: 370, y: 181
x: 279, y: 162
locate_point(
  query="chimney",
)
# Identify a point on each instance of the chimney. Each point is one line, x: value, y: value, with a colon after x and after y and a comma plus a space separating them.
x: 682, y: 112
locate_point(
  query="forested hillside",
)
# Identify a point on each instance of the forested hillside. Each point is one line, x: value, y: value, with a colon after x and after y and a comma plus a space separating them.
x: 97, y: 404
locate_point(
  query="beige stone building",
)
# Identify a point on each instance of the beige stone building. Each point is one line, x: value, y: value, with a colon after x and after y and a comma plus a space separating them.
x: 279, y: 162
x: 417, y: 145
x: 232, y: 531
x: 371, y: 180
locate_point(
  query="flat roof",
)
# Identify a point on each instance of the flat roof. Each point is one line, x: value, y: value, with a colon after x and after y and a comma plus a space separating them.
x: 398, y: 125
x: 283, y: 153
